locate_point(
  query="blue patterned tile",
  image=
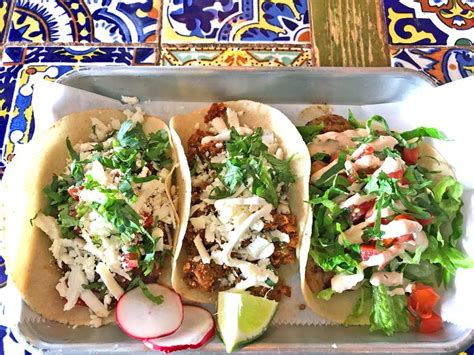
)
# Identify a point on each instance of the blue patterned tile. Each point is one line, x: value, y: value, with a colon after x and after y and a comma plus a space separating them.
x: 8, y: 79
x: 4, y: 8
x: 440, y: 64
x: 430, y: 22
x: 210, y: 21
x: 103, y: 21
x: 79, y: 54
x: 145, y: 56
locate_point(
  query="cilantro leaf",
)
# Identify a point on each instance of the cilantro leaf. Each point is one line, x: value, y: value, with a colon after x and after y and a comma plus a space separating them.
x: 309, y: 132
x: 422, y: 132
x: 157, y: 299
x: 353, y: 121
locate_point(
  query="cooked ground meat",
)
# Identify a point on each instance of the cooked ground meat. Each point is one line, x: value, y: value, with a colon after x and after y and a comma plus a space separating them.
x: 216, y: 110
x: 204, y: 151
x: 332, y: 123
x: 316, y: 278
x: 285, y: 223
x: 275, y: 293
x: 317, y: 165
x: 284, y: 254
x: 204, y: 276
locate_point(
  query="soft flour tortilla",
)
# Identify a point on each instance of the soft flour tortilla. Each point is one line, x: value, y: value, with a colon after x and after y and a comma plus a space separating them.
x: 30, y: 264
x: 340, y: 306
x: 253, y: 115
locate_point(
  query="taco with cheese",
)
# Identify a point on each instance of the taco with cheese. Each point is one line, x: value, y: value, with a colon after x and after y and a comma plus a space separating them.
x: 94, y: 209
x: 249, y: 172
x: 386, y: 223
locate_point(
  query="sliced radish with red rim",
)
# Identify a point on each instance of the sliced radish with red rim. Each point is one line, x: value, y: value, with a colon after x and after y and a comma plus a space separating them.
x: 141, y: 318
x: 197, y: 329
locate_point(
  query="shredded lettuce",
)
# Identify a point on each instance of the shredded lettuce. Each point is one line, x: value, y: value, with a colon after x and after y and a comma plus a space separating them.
x: 325, y: 294
x: 362, y: 305
x: 389, y: 314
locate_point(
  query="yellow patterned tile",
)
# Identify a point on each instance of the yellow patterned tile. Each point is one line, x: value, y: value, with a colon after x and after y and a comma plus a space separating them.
x: 229, y: 56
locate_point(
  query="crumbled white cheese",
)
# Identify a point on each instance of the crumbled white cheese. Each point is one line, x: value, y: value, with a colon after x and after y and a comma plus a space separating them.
x: 109, y: 280
x: 130, y: 100
x: 386, y: 278
x: 206, y: 259
x: 232, y: 118
x: 341, y: 283
x: 260, y: 248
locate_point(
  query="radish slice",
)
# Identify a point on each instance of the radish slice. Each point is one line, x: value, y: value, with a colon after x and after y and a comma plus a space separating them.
x: 140, y: 318
x: 197, y: 328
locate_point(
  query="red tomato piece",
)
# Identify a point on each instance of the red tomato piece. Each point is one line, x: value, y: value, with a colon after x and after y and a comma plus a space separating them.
x: 369, y: 150
x: 130, y: 260
x: 410, y: 156
x: 334, y: 156
x: 422, y: 300
x: 368, y: 250
x: 425, y: 221
x: 403, y: 216
x: 431, y: 324
x: 73, y: 191
x: 399, y: 240
x: 147, y: 220
x: 81, y: 303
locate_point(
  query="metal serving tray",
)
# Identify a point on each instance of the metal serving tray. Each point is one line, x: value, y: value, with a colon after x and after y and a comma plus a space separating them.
x: 297, y: 86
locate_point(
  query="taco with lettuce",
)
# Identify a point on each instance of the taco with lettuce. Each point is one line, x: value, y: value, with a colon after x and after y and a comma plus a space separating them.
x: 249, y: 167
x: 386, y: 224
x: 94, y: 209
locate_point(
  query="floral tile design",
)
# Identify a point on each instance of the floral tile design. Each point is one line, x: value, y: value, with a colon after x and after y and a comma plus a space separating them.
x: 440, y: 64
x: 211, y: 21
x: 85, y: 21
x: 4, y: 8
x: 13, y: 55
x: 228, y: 56
x: 430, y: 22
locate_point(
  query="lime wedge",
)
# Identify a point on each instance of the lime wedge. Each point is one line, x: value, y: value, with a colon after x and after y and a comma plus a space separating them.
x: 242, y: 318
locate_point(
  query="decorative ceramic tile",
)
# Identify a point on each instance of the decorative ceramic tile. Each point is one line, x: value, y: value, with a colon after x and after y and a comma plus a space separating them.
x: 21, y: 123
x: 227, y: 56
x: 4, y: 8
x: 104, y: 21
x: 441, y: 64
x: 80, y: 54
x: 430, y: 22
x: 211, y: 21
x: 8, y: 78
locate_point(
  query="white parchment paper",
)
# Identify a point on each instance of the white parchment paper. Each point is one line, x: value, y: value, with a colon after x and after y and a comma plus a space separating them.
x: 448, y: 108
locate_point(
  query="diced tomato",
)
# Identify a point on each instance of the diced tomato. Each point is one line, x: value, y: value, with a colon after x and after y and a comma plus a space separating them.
x: 399, y: 240
x: 412, y: 321
x: 130, y: 260
x: 368, y: 250
x: 73, y: 191
x: 334, y: 156
x: 81, y: 303
x: 369, y: 150
x: 73, y: 212
x: 384, y: 220
x: 147, y: 220
x: 431, y: 324
x: 403, y: 216
x: 399, y: 175
x: 425, y: 221
x: 422, y: 300
x: 410, y: 156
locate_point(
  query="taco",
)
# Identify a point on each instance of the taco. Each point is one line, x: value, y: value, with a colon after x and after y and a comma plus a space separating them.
x: 386, y: 224
x: 94, y: 207
x: 249, y: 168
